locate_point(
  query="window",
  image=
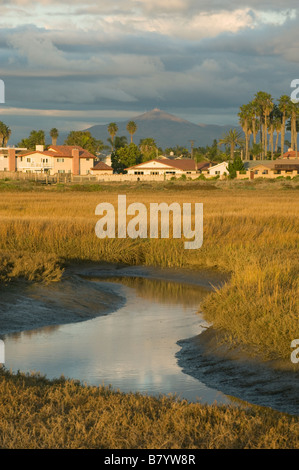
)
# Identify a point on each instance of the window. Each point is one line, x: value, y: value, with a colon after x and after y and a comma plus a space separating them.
x: 87, y: 159
x: 28, y: 160
x: 265, y: 172
x: 61, y: 171
x: 60, y: 160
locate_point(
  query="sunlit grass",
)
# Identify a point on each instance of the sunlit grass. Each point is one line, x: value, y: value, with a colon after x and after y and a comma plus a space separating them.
x: 253, y: 235
x: 36, y: 413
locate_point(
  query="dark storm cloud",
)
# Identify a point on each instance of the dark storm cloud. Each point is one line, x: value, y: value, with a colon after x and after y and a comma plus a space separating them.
x: 191, y: 58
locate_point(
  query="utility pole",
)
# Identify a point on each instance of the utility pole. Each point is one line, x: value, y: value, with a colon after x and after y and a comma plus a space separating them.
x: 192, y: 145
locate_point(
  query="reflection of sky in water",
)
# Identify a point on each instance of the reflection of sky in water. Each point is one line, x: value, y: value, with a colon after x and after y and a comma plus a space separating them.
x: 132, y: 349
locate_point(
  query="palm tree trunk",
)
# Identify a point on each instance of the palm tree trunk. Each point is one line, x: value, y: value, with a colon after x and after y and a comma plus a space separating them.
x: 232, y: 151
x: 283, y: 127
x: 276, y: 142
x: 272, y: 141
x: 265, y: 137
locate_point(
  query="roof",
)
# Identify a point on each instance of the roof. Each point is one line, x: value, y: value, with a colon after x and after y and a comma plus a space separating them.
x: 101, y: 166
x: 184, y: 164
x: 218, y: 164
x: 60, y: 151
x: 253, y: 163
x: 273, y: 164
x: 66, y: 151
x: 290, y: 154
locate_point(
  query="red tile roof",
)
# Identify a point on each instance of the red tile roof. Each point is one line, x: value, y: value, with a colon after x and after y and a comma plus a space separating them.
x: 60, y: 151
x: 66, y: 151
x: 101, y: 166
x: 290, y: 154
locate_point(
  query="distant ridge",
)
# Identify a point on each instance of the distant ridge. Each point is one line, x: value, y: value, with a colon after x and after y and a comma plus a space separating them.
x: 167, y: 129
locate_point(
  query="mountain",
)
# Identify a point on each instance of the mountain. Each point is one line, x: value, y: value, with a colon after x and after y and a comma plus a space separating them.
x: 167, y: 129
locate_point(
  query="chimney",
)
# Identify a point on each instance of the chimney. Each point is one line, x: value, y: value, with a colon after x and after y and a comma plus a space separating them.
x: 39, y: 148
x: 11, y: 160
x: 75, y: 162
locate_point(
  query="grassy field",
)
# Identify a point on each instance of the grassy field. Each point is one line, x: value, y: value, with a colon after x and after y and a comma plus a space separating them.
x: 250, y: 231
x: 35, y: 413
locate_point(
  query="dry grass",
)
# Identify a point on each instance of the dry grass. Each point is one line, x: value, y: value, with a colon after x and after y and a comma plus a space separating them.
x: 35, y: 413
x: 250, y: 231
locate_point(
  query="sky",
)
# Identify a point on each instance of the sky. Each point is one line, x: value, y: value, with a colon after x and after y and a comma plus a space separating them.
x: 71, y: 65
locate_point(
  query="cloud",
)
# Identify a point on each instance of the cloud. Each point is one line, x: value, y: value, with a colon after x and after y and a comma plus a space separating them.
x: 196, y: 59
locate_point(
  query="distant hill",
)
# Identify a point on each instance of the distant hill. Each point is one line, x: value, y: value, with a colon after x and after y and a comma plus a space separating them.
x: 167, y: 129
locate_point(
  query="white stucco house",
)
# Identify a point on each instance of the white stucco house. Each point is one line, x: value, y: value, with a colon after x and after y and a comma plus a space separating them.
x: 218, y: 170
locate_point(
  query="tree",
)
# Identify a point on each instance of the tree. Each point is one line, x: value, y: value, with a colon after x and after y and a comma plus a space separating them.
x: 5, y: 134
x: 85, y: 140
x: 284, y: 105
x: 275, y: 118
x: 125, y: 157
x: 131, y: 128
x: 294, y: 113
x: 256, y: 150
x: 264, y: 103
x: 112, y: 129
x: 148, y: 148
x: 233, y: 139
x: 234, y: 166
x: 54, y: 135
x: 35, y: 138
x: 245, y: 116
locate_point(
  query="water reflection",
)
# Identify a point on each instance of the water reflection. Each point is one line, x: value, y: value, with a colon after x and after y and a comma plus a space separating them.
x: 133, y: 349
x: 165, y: 292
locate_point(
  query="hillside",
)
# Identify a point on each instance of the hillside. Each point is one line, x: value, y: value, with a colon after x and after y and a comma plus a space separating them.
x: 167, y: 129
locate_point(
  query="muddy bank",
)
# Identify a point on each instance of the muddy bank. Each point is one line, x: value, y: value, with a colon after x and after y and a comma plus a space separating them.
x: 26, y: 305
x: 265, y: 383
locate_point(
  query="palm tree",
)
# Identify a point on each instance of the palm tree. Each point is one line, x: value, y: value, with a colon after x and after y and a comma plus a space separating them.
x: 245, y: 115
x: 294, y: 113
x: 5, y: 134
x: 112, y: 129
x: 274, y: 123
x: 284, y: 104
x: 131, y: 128
x: 54, y: 135
x: 278, y: 130
x: 233, y: 139
x: 264, y: 102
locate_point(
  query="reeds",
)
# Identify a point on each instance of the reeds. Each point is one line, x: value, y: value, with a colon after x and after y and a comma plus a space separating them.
x: 251, y: 234
x: 61, y: 414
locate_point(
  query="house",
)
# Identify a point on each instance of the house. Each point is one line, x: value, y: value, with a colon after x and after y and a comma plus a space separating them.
x: 8, y: 157
x: 218, y: 170
x: 101, y: 168
x: 58, y: 159
x: 290, y: 154
x: 269, y: 168
x: 168, y: 167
